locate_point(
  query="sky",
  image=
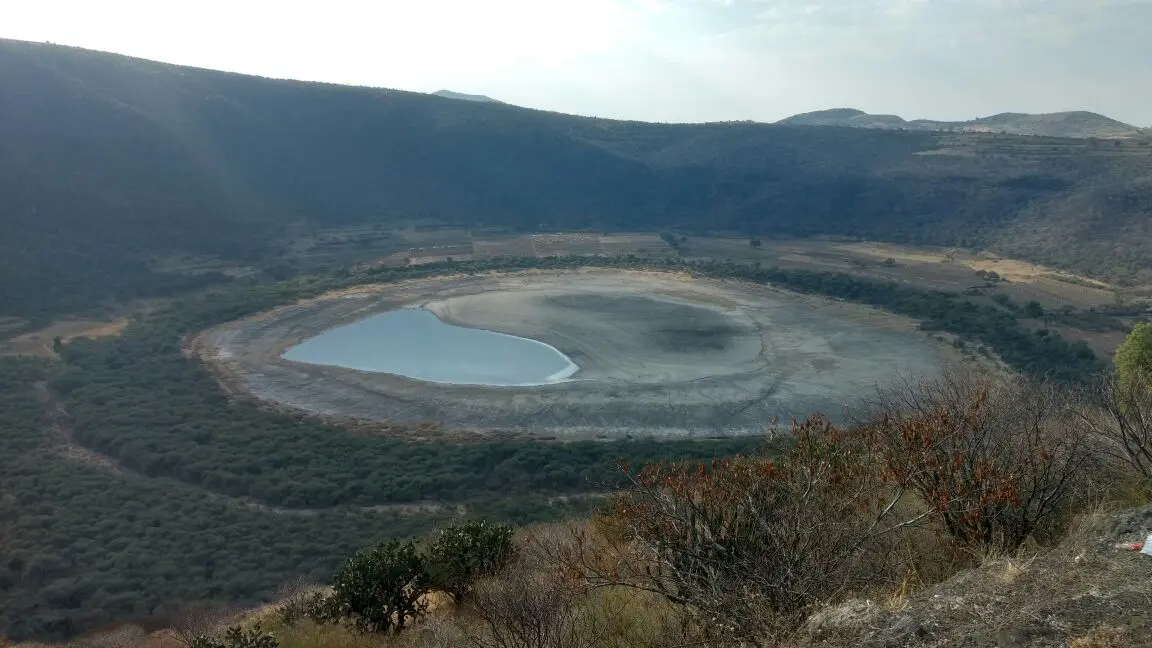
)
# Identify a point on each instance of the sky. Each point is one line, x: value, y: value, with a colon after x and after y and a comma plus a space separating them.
x: 655, y: 60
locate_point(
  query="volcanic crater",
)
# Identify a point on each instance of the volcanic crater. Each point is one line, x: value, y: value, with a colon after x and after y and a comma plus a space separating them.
x: 659, y: 354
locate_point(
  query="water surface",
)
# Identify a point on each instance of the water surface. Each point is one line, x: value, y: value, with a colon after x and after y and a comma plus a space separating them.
x: 414, y: 343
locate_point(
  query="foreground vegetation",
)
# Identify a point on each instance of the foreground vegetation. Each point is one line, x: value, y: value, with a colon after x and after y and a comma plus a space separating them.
x: 194, y: 496
x: 772, y: 551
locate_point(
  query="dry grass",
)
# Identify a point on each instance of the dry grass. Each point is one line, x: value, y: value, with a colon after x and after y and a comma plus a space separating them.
x: 39, y: 343
x: 1011, y: 269
x: 1102, y: 637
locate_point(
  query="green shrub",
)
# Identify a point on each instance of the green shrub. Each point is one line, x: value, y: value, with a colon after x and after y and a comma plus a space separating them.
x: 1134, y: 357
x: 377, y: 590
x: 463, y: 553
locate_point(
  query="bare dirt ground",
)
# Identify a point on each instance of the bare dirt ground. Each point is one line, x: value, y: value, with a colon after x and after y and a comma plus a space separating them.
x: 950, y: 269
x: 40, y: 343
x: 946, y: 269
x: 660, y: 354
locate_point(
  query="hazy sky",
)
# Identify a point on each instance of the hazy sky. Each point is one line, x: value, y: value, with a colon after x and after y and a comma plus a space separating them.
x: 656, y: 60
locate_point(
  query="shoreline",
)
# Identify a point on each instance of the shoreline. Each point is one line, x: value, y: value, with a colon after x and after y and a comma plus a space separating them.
x: 657, y: 355
x: 557, y: 377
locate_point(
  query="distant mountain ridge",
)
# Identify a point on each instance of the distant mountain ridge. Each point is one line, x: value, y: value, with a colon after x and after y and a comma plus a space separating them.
x: 1079, y: 124
x: 448, y: 94
x: 110, y: 164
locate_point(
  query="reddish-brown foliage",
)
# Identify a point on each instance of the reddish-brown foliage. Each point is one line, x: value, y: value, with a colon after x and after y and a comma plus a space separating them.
x: 994, y: 460
x: 752, y: 543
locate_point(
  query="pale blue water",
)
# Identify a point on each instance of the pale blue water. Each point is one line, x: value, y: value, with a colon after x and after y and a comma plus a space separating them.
x: 414, y: 343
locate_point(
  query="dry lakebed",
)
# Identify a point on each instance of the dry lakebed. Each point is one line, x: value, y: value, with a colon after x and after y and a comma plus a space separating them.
x: 638, y: 353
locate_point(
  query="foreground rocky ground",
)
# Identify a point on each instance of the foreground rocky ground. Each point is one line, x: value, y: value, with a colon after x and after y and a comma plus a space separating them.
x: 1085, y: 593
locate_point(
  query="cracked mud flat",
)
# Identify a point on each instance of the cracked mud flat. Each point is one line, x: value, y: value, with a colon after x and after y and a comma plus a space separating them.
x: 659, y: 354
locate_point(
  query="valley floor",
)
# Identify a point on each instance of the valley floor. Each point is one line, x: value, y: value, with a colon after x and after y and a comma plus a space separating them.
x: 659, y: 353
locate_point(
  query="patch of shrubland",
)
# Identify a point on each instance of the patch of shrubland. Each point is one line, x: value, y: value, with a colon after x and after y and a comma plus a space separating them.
x: 1004, y: 474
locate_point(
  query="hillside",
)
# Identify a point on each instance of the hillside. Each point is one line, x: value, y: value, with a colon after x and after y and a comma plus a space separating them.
x: 1082, y: 593
x: 110, y: 165
x: 1075, y: 124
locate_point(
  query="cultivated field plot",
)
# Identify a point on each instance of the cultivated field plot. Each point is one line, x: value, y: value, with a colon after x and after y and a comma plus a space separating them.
x: 936, y: 268
x: 950, y: 270
x: 41, y: 343
x: 422, y: 256
x: 659, y: 354
x: 641, y: 245
x: 564, y: 244
x: 531, y: 245
x: 512, y: 247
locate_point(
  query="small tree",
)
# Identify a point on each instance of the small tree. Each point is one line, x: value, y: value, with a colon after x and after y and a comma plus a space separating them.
x: 1134, y: 358
x: 377, y: 590
x: 755, y: 243
x: 463, y: 553
x: 524, y: 608
x: 296, y: 600
x: 1118, y: 415
x: 994, y: 460
x: 752, y: 543
x: 198, y: 621
x: 1033, y: 309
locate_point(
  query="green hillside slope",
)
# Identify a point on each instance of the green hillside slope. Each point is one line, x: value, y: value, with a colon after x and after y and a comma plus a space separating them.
x: 107, y: 162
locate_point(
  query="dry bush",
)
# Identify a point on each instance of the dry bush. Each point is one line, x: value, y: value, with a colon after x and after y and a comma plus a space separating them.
x: 433, y: 631
x: 575, y: 552
x: 437, y: 632
x: 199, y: 621
x: 1103, y: 637
x: 995, y: 460
x: 632, y: 618
x: 295, y: 599
x: 750, y: 545
x: 308, y: 634
x: 1118, y: 415
x: 528, y: 608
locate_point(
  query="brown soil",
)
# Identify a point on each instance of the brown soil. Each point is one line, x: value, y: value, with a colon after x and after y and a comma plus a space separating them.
x: 39, y: 343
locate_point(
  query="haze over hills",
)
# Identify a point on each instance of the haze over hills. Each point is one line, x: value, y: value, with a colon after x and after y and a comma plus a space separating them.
x: 109, y: 163
x: 1062, y: 124
x: 448, y: 94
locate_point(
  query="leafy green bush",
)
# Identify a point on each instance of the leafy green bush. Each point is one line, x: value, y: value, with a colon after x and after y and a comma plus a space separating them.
x: 463, y: 553
x: 1134, y: 357
x: 377, y: 590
